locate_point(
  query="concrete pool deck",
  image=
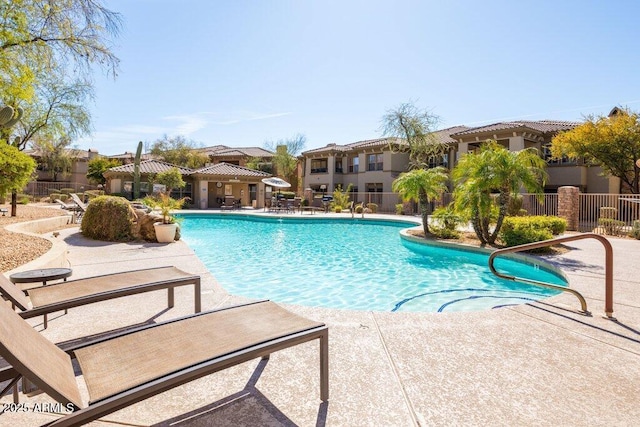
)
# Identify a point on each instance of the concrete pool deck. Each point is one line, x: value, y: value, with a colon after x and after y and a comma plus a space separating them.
x: 535, y: 364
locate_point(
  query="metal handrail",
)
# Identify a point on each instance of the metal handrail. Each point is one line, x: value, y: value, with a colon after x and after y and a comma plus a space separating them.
x: 608, y: 273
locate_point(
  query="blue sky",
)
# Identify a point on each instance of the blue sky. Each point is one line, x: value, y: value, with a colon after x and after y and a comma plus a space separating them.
x: 240, y: 73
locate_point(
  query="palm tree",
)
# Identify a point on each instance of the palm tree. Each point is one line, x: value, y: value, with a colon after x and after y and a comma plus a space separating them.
x: 422, y: 186
x: 493, y: 170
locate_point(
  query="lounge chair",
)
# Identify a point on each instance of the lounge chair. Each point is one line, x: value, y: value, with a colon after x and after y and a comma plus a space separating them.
x: 315, y: 206
x: 119, y: 370
x: 77, y: 201
x: 74, y: 293
x: 71, y: 207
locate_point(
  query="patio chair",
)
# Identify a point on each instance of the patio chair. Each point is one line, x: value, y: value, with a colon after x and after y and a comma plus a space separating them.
x: 71, y: 207
x: 74, y: 293
x: 229, y: 202
x: 122, y: 370
x: 77, y: 201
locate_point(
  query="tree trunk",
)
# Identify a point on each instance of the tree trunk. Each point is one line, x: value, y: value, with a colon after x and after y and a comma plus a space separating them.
x: 477, y: 227
x: 14, y: 203
x: 503, y: 200
x: 424, y: 211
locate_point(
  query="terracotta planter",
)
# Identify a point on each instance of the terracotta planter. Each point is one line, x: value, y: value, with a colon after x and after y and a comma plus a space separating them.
x: 165, y: 233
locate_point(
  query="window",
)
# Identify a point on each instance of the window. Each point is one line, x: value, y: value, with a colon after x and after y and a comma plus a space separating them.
x: 179, y: 193
x: 127, y: 187
x: 338, y: 168
x: 435, y: 161
x: 319, y: 166
x: 352, y: 164
x: 374, y: 162
x: 546, y: 155
x: 375, y: 188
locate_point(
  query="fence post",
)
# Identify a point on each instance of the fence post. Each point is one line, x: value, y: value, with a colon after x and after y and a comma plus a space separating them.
x: 569, y: 206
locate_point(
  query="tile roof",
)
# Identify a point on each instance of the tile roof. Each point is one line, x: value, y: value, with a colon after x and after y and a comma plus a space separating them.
x: 368, y: 143
x: 74, y: 153
x: 224, y: 151
x: 444, y: 135
x: 230, y: 170
x: 542, y: 126
x: 150, y: 166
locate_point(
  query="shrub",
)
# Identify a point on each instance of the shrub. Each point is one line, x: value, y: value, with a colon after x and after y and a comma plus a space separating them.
x: 553, y: 223
x: 446, y: 222
x: 67, y: 190
x: 23, y: 199
x: 608, y: 212
x: 635, y: 230
x: 338, y: 209
x: 288, y: 194
x: 108, y: 218
x: 528, y: 229
x: 515, y: 205
x: 399, y: 209
x: 611, y: 227
x: 54, y: 196
x: 359, y: 208
x: 372, y: 207
x: 341, y: 198
x: 92, y: 194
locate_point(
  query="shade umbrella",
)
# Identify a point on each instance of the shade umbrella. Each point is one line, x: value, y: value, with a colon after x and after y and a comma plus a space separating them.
x: 276, y: 182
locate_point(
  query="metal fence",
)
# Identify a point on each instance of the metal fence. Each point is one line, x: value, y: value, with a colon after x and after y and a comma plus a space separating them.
x: 43, y: 189
x: 626, y: 210
x: 536, y: 205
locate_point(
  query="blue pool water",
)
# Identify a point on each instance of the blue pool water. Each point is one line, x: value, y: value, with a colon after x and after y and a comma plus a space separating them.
x: 353, y: 264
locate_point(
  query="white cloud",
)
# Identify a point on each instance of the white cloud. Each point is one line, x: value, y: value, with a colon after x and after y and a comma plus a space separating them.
x: 190, y: 123
x: 197, y: 121
x: 125, y: 138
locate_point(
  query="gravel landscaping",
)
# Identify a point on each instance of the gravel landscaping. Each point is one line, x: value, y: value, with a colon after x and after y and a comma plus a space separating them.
x: 18, y: 248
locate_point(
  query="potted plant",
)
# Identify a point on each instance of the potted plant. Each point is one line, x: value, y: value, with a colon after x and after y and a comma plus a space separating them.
x: 166, y: 229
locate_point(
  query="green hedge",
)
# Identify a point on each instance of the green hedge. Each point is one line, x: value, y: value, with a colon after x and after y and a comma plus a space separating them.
x: 108, y: 218
x: 528, y: 229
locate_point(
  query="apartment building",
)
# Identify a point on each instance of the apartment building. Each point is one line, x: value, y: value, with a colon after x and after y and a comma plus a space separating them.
x: 371, y: 166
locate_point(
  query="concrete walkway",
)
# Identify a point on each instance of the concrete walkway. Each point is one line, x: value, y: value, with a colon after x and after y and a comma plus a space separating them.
x: 538, y: 364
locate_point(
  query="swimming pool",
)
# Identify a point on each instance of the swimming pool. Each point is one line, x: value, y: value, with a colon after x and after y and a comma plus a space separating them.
x: 353, y: 264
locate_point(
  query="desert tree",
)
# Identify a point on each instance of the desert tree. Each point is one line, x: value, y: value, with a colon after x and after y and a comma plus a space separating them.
x: 97, y: 166
x: 16, y: 169
x: 416, y: 128
x: 38, y: 37
x: 55, y: 156
x: 611, y: 142
x: 179, y: 151
x: 285, y: 159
